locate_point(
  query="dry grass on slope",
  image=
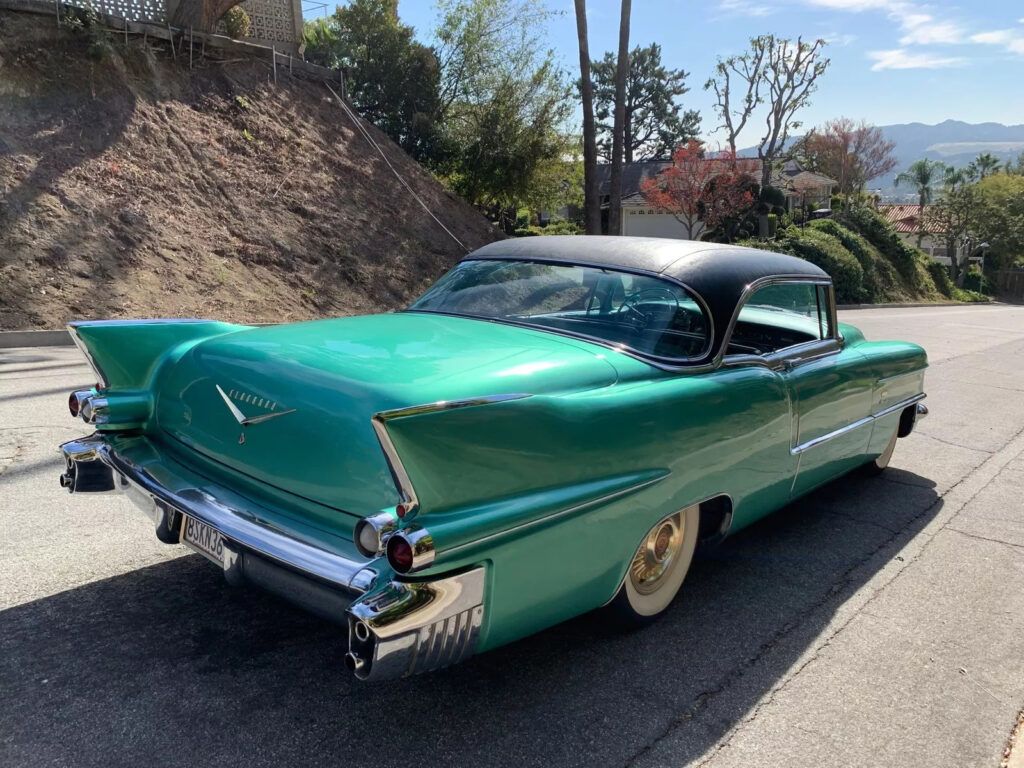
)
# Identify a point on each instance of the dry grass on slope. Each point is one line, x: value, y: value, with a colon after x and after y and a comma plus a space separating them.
x: 131, y: 186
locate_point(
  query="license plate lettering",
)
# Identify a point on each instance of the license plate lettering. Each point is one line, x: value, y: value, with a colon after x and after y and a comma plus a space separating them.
x: 204, y: 539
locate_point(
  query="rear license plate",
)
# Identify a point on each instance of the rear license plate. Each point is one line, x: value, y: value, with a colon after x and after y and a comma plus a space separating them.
x: 204, y: 539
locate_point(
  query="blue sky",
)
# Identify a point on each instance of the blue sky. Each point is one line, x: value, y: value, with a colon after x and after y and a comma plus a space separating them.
x: 893, y: 61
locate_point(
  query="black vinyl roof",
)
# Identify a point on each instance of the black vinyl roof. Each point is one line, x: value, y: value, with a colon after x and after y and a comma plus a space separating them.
x: 717, y: 273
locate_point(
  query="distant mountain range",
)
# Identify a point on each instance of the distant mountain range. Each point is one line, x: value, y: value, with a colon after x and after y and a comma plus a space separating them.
x: 954, y: 142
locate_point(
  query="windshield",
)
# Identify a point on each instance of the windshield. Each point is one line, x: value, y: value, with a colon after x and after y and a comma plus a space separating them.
x: 643, y: 313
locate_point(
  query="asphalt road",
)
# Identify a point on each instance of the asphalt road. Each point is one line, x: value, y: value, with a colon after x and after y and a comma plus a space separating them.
x: 876, y: 622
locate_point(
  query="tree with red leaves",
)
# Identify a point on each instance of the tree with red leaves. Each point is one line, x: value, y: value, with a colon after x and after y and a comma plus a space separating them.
x: 851, y: 153
x: 702, y: 191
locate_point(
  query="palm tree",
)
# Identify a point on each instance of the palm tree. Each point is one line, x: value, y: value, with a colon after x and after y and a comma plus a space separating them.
x: 922, y: 175
x: 954, y: 178
x: 984, y: 164
x: 591, y: 201
x: 619, y: 123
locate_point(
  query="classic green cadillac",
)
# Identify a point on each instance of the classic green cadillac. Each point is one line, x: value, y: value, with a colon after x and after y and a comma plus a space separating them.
x: 553, y: 427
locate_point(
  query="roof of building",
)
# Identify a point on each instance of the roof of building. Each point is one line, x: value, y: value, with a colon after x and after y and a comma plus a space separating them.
x: 903, y: 218
x: 716, y: 272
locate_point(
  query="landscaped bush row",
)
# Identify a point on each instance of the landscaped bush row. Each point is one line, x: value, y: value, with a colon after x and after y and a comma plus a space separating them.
x: 880, y: 234
x: 881, y: 281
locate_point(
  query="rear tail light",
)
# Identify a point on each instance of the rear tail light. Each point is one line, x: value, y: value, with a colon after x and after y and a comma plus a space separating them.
x: 410, y: 550
x: 371, y: 533
x: 400, y: 554
x: 76, y: 399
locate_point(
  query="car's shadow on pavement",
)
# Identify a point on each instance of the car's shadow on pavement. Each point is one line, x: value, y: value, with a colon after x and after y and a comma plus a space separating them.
x: 167, y: 665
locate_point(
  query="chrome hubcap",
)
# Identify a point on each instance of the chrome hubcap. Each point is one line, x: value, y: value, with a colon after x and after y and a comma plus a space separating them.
x: 657, y: 555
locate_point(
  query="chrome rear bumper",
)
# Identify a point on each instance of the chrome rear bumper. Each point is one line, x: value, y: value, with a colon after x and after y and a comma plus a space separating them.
x: 396, y: 628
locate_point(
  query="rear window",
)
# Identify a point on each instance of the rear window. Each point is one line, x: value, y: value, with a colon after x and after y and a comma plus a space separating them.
x: 643, y: 313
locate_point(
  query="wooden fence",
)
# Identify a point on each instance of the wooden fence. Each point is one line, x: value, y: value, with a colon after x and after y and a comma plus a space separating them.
x: 1010, y: 284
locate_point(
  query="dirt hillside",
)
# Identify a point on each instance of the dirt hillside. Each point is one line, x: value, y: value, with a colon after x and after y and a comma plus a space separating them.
x: 131, y: 186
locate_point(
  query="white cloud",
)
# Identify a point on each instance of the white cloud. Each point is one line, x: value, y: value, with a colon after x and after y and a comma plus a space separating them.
x: 901, y: 59
x: 995, y: 37
x: 744, y: 8
x: 836, y: 38
x: 922, y: 29
x: 1016, y: 46
x: 918, y: 26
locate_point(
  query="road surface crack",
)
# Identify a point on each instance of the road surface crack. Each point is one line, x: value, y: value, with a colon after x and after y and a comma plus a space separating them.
x: 984, y: 538
x: 836, y: 593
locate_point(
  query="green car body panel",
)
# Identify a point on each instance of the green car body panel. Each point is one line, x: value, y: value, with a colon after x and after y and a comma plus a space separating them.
x: 550, y: 490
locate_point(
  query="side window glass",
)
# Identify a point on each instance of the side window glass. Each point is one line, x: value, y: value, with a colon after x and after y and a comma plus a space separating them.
x: 779, y: 316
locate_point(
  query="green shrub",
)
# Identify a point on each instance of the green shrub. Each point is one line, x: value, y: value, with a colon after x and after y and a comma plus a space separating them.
x: 836, y: 203
x: 975, y: 281
x: 959, y: 294
x: 881, y: 281
x: 237, y: 22
x: 939, y: 274
x: 525, y: 232
x: 827, y: 252
x: 880, y: 234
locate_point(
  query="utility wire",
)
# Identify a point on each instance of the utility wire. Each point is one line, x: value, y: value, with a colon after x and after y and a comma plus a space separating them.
x: 366, y: 135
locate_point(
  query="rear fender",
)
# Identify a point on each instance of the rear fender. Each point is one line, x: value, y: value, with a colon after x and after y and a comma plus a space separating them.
x: 127, y: 355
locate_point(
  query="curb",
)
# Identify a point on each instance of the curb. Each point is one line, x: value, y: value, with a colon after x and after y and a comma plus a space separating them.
x: 35, y: 339
x: 919, y: 305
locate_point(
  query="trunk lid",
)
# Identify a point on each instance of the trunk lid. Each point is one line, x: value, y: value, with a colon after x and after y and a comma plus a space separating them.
x: 309, y: 391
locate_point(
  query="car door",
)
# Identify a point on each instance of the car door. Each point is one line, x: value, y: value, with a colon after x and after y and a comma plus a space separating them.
x: 792, y: 325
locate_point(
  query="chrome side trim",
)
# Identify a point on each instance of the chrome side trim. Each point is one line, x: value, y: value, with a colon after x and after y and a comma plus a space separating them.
x: 406, y: 492
x: 857, y: 424
x: 244, y: 527
x: 411, y: 627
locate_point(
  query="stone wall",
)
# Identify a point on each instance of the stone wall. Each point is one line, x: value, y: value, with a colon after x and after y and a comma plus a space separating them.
x: 274, y: 22
x: 278, y: 22
x: 153, y: 11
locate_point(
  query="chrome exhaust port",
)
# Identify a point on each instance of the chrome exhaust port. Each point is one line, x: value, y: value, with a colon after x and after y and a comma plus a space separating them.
x: 85, y: 472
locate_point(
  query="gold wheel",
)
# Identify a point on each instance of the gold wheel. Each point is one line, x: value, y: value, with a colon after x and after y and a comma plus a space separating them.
x: 657, y: 556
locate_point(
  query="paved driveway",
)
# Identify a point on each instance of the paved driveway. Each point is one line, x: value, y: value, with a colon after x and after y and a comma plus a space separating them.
x: 875, y: 622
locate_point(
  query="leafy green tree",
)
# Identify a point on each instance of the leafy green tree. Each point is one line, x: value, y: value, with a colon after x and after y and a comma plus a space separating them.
x: 392, y: 79
x: 1000, y: 218
x: 654, y: 122
x: 954, y: 219
x: 924, y: 176
x: 504, y: 104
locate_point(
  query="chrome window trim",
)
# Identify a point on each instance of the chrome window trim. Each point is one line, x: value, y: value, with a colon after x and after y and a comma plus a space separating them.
x: 761, y: 282
x: 406, y: 491
x: 856, y: 425
x: 665, y: 363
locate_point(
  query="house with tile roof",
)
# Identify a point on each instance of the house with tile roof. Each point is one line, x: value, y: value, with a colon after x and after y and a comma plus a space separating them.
x: 801, y: 187
x: 904, y: 219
